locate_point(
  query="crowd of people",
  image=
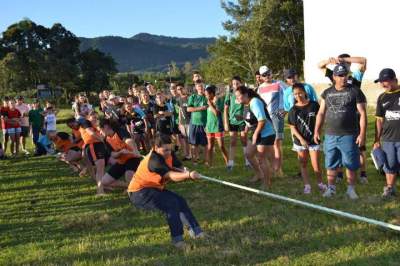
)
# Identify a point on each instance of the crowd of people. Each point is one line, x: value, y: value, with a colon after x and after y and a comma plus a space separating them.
x: 135, y: 140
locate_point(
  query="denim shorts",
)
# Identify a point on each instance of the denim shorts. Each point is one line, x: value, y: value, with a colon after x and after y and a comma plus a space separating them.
x: 341, y: 150
x: 392, y: 152
x: 278, y: 124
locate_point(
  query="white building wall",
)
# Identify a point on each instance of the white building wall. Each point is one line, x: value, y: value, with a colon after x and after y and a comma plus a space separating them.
x: 360, y: 28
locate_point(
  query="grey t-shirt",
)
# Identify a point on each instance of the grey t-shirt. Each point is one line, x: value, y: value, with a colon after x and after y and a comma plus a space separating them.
x: 341, y: 105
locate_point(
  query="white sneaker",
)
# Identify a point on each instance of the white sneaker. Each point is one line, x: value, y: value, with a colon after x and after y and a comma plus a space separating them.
x: 322, y: 187
x: 351, y: 193
x: 329, y: 192
x: 307, y: 189
x: 26, y: 152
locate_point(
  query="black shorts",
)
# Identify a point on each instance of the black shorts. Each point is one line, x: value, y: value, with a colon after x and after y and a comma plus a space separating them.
x: 362, y: 148
x: 236, y: 128
x: 175, y: 130
x: 75, y: 149
x: 266, y: 141
x: 123, y: 133
x: 96, y: 151
x: 118, y: 170
x: 24, y: 132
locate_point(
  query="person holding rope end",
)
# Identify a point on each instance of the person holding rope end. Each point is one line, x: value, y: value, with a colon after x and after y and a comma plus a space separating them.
x: 260, y: 150
x: 147, y: 189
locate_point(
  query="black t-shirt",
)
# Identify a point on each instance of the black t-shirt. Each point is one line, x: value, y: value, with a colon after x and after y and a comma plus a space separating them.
x: 136, y: 122
x: 388, y: 107
x: 341, y: 110
x: 158, y: 165
x: 303, y: 118
x: 163, y: 124
x: 148, y: 109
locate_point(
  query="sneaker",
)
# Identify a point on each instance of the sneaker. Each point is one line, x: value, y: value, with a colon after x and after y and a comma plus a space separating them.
x: 26, y: 152
x: 248, y: 166
x: 351, y: 193
x: 201, y: 235
x: 229, y: 167
x: 329, y: 192
x: 307, y: 189
x: 180, y: 245
x: 388, y: 192
x: 363, y: 180
x: 322, y: 187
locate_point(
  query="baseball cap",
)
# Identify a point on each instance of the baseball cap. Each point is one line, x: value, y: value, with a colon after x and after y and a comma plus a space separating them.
x: 386, y: 74
x: 340, y: 69
x: 264, y: 70
x: 289, y: 73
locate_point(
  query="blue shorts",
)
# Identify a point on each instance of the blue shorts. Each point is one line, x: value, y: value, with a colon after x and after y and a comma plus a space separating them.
x: 392, y: 152
x: 197, y: 135
x: 341, y: 150
x: 278, y: 123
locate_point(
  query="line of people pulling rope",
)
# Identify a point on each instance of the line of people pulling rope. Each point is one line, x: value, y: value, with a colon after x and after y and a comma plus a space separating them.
x: 158, y: 124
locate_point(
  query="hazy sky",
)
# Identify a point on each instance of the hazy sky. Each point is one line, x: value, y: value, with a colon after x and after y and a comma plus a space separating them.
x: 90, y: 18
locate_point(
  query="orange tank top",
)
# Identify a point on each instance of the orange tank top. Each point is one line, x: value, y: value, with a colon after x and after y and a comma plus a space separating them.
x: 117, y: 144
x: 144, y: 178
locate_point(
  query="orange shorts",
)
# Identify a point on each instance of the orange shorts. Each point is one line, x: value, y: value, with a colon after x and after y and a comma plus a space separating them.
x: 215, y: 135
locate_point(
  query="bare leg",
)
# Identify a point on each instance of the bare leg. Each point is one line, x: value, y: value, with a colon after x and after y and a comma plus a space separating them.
x: 303, y: 158
x: 209, y: 152
x: 100, y: 164
x: 314, y: 156
x: 251, y: 151
x: 220, y: 142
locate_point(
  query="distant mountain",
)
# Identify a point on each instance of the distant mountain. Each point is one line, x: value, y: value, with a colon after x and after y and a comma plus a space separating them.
x: 147, y: 52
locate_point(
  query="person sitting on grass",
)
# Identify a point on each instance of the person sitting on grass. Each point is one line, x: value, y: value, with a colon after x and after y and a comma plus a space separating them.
x: 214, y: 125
x: 147, y: 189
x: 44, y: 144
x: 302, y: 123
x: 71, y: 153
x: 127, y: 160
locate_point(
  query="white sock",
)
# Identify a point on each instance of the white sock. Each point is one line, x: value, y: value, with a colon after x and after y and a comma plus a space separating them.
x: 230, y: 163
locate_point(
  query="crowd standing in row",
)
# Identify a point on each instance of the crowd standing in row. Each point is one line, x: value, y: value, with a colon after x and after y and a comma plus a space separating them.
x: 158, y: 124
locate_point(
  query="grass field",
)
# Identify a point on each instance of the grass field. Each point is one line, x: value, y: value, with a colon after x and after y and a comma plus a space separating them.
x: 49, y: 216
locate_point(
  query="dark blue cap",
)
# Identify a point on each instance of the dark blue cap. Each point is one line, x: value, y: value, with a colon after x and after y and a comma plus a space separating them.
x: 385, y: 75
x: 289, y: 73
x: 340, y: 69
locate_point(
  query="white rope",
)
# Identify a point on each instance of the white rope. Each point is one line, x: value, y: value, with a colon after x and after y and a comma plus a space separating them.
x: 307, y: 204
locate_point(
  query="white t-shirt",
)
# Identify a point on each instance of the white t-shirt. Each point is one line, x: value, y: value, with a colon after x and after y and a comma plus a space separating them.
x: 50, y: 120
x: 24, y: 110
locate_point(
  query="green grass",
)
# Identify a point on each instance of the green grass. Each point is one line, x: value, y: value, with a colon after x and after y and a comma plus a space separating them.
x: 49, y: 216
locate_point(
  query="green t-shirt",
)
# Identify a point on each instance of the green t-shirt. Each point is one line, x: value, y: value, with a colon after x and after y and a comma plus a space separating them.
x: 175, y: 104
x: 214, y: 122
x: 198, y: 118
x: 234, y: 109
x: 35, y: 118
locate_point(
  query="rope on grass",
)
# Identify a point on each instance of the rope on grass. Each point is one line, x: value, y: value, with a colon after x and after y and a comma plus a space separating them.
x: 307, y: 204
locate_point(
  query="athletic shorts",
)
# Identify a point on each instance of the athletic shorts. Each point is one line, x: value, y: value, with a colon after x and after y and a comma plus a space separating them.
x: 215, y: 135
x: 341, y: 150
x: 197, y: 135
x: 13, y: 131
x: 392, y: 152
x: 265, y: 141
x: 96, y: 151
x: 118, y: 170
x: 75, y: 149
x: 24, y: 132
x: 184, y: 129
x: 123, y: 133
x: 310, y: 148
x: 279, y: 124
x: 236, y: 128
x: 175, y: 130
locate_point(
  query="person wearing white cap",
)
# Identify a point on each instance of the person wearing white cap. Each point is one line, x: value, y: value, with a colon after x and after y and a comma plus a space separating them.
x: 271, y: 91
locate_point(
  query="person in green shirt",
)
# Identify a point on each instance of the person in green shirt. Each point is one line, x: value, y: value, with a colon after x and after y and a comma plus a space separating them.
x: 234, y: 122
x: 35, y: 120
x: 214, y: 128
x: 197, y: 106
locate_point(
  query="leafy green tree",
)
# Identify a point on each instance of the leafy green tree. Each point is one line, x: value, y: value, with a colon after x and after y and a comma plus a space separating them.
x: 96, y: 70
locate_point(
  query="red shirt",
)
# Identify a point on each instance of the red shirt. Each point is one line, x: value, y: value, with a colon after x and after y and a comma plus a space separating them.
x: 3, y: 112
x: 13, y: 114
